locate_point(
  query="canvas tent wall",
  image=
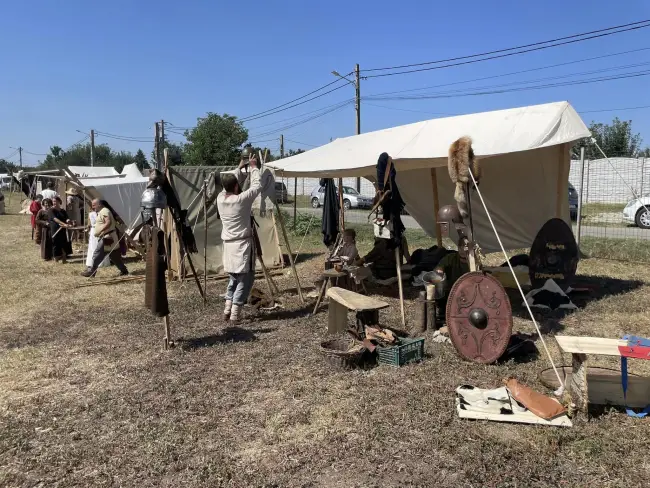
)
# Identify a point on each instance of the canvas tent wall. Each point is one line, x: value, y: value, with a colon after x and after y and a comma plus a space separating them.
x: 188, y: 182
x: 525, y: 155
x: 93, y: 171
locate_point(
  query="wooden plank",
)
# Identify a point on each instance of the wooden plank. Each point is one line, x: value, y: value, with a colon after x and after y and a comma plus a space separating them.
x: 590, y: 345
x: 520, y: 418
x: 354, y: 301
x: 337, y: 320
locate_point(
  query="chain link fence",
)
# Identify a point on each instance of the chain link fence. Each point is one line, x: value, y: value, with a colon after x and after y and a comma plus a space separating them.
x: 613, y: 223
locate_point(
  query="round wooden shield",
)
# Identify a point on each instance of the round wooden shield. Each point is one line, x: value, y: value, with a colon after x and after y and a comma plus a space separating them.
x: 553, y: 255
x: 479, y: 317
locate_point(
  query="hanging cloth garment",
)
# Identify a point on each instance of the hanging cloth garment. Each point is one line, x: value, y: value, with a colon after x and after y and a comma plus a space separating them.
x: 392, y: 205
x: 330, y: 227
x: 155, y: 288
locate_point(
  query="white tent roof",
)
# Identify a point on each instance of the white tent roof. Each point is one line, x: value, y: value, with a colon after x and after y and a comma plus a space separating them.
x: 90, y: 171
x: 123, y: 192
x: 425, y: 144
x: 525, y: 155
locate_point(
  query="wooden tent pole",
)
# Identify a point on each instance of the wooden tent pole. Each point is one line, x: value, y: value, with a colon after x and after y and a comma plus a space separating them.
x: 436, y: 204
x: 291, y: 260
x: 399, y: 284
x: 205, y: 241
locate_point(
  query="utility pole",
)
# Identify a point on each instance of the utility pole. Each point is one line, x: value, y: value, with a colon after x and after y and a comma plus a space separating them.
x: 358, y: 107
x: 156, y: 145
x: 162, y: 137
x: 92, y: 147
x: 357, y: 102
x: 20, y: 152
x: 281, y: 146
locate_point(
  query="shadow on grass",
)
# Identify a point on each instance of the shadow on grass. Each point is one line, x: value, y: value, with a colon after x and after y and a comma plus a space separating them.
x: 228, y: 335
x: 286, y: 314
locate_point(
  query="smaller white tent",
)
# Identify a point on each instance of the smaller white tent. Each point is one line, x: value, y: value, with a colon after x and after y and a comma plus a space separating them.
x: 93, y: 171
x: 122, y: 191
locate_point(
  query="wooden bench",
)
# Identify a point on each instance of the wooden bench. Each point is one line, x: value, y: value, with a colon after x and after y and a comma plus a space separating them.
x: 604, y: 389
x: 342, y: 300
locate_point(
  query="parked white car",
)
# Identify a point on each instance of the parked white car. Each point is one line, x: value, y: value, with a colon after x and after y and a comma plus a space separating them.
x: 636, y: 213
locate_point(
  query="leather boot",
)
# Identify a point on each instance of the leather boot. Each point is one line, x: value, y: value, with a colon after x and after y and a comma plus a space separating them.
x: 227, y: 309
x: 89, y: 273
x: 235, y: 315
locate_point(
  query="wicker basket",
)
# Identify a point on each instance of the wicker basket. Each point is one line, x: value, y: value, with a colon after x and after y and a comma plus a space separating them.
x: 342, y: 352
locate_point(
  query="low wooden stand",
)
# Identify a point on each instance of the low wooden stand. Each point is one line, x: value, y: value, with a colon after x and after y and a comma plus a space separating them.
x: 342, y: 300
x: 327, y: 277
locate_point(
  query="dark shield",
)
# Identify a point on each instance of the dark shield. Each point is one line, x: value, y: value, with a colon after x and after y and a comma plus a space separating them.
x: 479, y: 317
x: 553, y: 255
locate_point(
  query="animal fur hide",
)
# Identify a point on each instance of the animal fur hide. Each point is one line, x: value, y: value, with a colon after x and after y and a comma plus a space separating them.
x: 461, y: 159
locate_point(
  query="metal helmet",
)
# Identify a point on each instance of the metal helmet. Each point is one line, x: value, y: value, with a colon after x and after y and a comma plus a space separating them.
x: 247, y: 152
x: 449, y: 216
x: 152, y: 199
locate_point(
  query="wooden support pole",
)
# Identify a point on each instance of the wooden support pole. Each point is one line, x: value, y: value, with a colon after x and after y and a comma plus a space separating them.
x: 436, y: 204
x: 168, y: 343
x: 399, y: 284
x: 562, y: 180
x: 205, y: 242
x: 341, y: 209
x: 291, y: 259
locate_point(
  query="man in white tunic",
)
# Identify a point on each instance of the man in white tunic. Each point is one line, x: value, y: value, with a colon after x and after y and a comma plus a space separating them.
x: 235, y: 207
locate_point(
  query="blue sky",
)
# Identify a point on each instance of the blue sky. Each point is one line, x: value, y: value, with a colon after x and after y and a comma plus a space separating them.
x: 118, y: 66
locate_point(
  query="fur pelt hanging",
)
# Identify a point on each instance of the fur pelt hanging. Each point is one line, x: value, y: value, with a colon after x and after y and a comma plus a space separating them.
x: 461, y: 159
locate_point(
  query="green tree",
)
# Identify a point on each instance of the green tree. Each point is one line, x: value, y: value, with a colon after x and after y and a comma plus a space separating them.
x: 176, y: 152
x: 141, y: 160
x: 8, y: 166
x: 215, y: 141
x: 615, y: 139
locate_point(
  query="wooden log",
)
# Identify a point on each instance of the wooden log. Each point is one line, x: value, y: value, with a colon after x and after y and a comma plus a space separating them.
x: 431, y: 307
x: 578, y: 385
x: 421, y: 313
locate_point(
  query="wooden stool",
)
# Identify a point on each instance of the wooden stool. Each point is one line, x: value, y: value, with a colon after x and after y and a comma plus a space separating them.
x: 327, y: 277
x: 341, y: 300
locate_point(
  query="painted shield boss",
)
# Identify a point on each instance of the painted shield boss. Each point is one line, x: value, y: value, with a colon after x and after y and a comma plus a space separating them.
x: 479, y: 317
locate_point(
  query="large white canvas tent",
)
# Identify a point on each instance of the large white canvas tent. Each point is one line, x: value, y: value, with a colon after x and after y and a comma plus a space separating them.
x: 524, y: 152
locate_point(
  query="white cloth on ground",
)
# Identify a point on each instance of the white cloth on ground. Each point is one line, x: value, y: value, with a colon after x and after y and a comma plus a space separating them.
x: 561, y: 299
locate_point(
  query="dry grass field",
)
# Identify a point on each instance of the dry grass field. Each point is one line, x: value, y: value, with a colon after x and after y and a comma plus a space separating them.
x: 89, y: 398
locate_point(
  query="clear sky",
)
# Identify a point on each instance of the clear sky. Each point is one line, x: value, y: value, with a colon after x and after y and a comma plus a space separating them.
x: 120, y: 65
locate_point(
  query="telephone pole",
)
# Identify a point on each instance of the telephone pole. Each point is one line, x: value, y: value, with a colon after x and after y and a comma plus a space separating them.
x: 357, y: 102
x: 92, y: 147
x: 281, y: 146
x: 20, y: 153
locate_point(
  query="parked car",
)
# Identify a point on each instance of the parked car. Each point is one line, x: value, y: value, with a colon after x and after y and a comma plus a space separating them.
x: 281, y: 194
x: 636, y: 213
x: 573, y: 202
x: 351, y: 198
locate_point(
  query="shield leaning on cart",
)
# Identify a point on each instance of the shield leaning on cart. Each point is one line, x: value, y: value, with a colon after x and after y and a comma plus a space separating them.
x: 479, y: 317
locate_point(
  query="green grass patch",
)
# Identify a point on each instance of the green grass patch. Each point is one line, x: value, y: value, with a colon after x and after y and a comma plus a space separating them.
x: 617, y: 249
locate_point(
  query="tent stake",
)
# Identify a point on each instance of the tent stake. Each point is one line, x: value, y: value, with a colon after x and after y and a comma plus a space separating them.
x: 291, y: 260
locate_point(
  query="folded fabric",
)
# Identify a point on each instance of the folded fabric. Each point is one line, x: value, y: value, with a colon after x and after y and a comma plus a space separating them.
x: 541, y: 405
x: 497, y: 400
x: 549, y: 296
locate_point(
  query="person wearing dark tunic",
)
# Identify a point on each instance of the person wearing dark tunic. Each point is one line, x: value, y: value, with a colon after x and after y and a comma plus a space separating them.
x: 59, y: 222
x: 43, y: 235
x: 381, y: 258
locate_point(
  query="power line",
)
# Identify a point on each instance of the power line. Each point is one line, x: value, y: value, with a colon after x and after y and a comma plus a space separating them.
x: 301, y: 115
x: 301, y: 143
x: 514, y: 72
x: 34, y: 154
x: 539, y: 47
x: 408, y: 110
x: 509, y: 90
x: 612, y: 109
x: 6, y: 158
x: 124, y: 138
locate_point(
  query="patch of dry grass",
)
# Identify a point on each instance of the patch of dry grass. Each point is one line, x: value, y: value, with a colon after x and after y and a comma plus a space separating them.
x: 90, y: 399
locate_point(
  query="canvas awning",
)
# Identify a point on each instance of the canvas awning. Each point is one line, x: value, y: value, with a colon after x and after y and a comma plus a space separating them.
x: 525, y: 154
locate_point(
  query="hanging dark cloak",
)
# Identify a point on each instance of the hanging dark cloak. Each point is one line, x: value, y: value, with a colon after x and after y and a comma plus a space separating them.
x: 330, y: 227
x: 392, y: 205
x: 155, y: 287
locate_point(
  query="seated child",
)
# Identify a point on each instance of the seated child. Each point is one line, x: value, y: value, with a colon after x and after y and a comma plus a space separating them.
x: 348, y: 252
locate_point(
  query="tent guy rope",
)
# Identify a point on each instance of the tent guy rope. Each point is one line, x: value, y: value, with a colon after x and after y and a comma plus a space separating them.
x: 560, y: 390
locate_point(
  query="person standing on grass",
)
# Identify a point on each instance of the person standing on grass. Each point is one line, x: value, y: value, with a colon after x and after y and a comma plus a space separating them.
x: 34, y: 208
x: 43, y: 235
x: 107, y: 240
x: 235, y: 208
x: 59, y: 222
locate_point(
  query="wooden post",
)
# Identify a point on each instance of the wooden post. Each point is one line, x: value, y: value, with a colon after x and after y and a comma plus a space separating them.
x: 399, y: 284
x: 436, y: 204
x: 562, y: 181
x: 578, y: 384
x: 291, y: 260
x: 205, y: 242
x: 295, y: 201
x: 421, y: 312
x: 582, y: 184
x: 341, y: 209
